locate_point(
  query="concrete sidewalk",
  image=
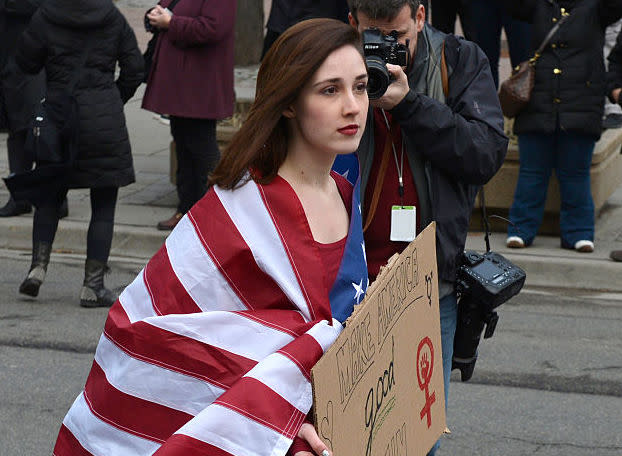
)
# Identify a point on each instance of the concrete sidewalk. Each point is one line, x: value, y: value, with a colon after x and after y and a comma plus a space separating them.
x: 153, y: 198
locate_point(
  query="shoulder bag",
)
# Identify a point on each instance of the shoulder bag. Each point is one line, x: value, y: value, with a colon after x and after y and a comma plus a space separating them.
x: 53, y: 141
x: 149, y: 53
x: 515, y: 92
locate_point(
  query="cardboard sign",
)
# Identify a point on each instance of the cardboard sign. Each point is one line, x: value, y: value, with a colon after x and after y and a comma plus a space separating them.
x: 379, y: 389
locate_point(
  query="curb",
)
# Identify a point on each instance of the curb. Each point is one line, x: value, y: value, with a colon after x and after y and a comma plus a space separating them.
x: 545, y: 266
x: 128, y: 240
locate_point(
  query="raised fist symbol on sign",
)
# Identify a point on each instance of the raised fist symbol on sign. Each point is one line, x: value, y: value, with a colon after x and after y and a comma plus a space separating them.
x: 425, y: 366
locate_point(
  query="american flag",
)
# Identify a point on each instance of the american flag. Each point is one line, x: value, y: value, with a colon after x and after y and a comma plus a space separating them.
x: 209, y: 349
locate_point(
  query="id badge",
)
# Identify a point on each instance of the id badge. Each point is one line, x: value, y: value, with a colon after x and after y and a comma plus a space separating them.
x: 403, y: 223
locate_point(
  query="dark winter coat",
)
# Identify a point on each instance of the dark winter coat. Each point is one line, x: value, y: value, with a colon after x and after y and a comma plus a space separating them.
x: 192, y: 71
x: 19, y: 92
x: 570, y: 75
x: 56, y: 39
x: 454, y: 145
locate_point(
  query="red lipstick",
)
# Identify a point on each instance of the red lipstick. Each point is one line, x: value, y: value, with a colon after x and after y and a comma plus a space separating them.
x: 349, y: 130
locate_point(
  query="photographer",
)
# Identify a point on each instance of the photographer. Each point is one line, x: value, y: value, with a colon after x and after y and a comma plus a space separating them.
x: 437, y: 150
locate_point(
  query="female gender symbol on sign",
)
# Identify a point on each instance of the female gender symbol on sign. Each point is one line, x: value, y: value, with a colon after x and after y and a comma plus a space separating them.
x: 425, y: 366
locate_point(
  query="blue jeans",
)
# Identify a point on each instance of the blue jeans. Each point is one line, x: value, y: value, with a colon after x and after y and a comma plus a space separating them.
x: 570, y: 155
x: 489, y: 17
x: 448, y: 307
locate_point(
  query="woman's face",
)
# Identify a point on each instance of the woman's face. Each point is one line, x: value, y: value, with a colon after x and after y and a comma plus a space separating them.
x: 330, y: 112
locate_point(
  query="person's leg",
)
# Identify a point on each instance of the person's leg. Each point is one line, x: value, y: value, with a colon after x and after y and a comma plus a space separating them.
x: 573, y: 162
x: 613, y: 112
x: 203, y: 150
x: 19, y: 161
x: 268, y: 41
x: 536, y: 163
x: 487, y: 22
x: 99, y: 240
x: 183, y: 174
x: 444, y: 15
x: 448, y: 307
x: 101, y: 226
x: 518, y: 34
x: 45, y: 224
x: 465, y: 11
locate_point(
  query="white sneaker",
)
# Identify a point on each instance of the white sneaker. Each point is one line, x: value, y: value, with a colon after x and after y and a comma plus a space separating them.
x: 584, y: 246
x: 514, y: 242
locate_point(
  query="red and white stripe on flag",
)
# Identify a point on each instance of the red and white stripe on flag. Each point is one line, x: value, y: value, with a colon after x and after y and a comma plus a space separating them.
x: 209, y: 349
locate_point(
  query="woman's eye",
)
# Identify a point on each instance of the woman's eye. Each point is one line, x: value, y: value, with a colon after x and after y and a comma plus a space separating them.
x: 330, y: 90
x: 361, y: 87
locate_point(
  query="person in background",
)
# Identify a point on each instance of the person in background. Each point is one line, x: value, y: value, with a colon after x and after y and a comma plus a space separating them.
x: 285, y: 13
x: 89, y: 37
x: 560, y: 125
x: 613, y: 112
x: 490, y: 17
x: 18, y: 91
x: 441, y: 140
x: 191, y: 80
x: 614, y: 88
x: 218, y: 334
x: 445, y: 13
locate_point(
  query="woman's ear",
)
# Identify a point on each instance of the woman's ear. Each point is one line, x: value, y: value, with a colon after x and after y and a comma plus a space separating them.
x: 289, y: 112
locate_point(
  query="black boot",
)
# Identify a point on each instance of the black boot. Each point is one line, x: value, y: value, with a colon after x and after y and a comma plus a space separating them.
x: 93, y: 293
x: 13, y: 208
x: 40, y: 260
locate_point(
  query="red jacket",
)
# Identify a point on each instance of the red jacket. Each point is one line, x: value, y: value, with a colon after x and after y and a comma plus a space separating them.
x: 192, y: 73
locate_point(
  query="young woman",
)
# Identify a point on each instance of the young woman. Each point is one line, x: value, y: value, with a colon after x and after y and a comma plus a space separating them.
x: 209, y: 350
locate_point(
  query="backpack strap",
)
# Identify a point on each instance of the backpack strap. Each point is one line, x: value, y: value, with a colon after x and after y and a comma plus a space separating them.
x: 444, y: 72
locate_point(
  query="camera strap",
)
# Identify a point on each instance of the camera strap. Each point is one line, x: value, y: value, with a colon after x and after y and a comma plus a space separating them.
x: 482, y: 203
x: 382, y: 171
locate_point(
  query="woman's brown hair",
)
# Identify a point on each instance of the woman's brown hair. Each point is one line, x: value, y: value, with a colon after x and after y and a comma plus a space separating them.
x: 261, y: 143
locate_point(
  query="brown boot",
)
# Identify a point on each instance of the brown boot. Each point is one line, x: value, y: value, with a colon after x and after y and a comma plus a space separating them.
x: 167, y: 225
x: 616, y: 255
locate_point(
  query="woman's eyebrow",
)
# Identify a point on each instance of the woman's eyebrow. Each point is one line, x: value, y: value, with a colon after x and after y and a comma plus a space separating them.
x: 336, y: 80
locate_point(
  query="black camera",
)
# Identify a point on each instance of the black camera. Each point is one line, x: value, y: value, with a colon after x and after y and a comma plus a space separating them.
x: 379, y: 50
x: 485, y: 281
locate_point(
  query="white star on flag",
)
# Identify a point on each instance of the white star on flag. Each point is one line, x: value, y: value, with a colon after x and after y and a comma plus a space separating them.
x: 359, y: 290
x: 345, y: 175
x: 364, y: 253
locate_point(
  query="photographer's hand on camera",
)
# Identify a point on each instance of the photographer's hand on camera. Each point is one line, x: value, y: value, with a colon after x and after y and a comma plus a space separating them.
x: 396, y: 91
x: 159, y: 17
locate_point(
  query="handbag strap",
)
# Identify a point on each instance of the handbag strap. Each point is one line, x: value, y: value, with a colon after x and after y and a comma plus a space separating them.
x: 548, y: 38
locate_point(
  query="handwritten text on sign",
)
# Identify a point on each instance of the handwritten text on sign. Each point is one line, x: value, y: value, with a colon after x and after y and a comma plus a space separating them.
x: 378, y: 390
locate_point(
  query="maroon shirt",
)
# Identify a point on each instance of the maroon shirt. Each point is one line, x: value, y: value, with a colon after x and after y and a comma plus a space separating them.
x: 377, y: 244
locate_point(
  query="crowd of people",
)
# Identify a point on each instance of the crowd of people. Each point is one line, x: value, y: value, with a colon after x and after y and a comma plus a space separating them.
x: 251, y: 250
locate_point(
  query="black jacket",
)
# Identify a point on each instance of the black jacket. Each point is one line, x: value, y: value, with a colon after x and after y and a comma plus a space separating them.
x: 20, y: 92
x: 56, y: 38
x: 570, y: 75
x: 453, y: 147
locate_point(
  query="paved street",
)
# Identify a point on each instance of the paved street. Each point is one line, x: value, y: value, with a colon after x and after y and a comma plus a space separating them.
x: 549, y: 383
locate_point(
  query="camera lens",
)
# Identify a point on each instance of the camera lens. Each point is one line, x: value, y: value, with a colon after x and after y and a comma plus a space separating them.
x: 379, y: 77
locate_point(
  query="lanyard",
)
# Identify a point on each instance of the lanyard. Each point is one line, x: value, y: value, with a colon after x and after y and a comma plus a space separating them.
x: 400, y: 166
